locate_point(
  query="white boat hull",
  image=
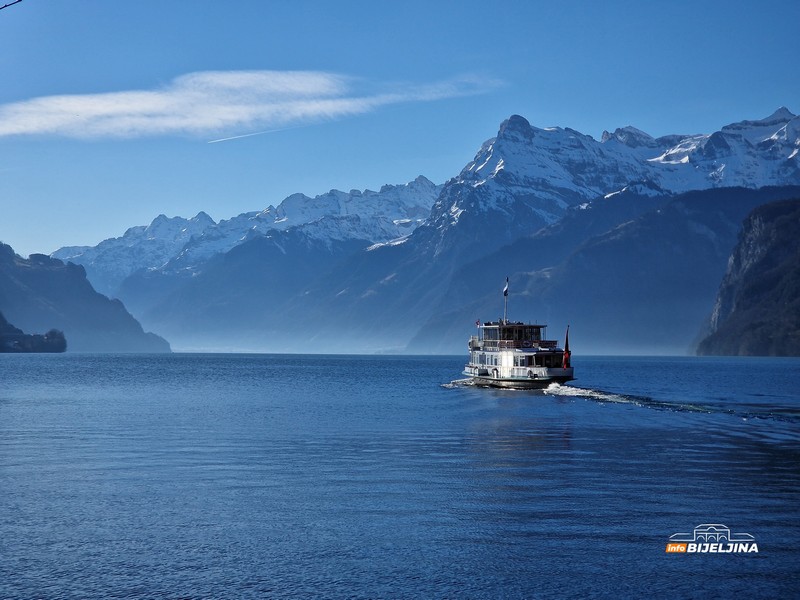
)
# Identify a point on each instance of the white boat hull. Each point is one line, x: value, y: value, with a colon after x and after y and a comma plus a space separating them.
x: 533, y: 381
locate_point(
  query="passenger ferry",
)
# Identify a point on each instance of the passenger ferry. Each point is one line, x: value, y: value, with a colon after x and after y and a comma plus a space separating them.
x: 516, y: 355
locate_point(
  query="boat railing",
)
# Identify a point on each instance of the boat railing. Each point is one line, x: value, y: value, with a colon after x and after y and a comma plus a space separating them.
x: 523, y: 344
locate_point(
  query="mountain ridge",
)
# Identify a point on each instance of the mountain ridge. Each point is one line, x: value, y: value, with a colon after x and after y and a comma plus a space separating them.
x: 179, y: 243
x: 42, y: 293
x: 520, y: 182
x: 638, y: 277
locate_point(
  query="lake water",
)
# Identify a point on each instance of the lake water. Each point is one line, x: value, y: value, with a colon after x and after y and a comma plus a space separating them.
x: 230, y: 476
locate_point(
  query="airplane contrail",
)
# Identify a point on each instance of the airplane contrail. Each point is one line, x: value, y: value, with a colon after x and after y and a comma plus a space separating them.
x: 237, y: 137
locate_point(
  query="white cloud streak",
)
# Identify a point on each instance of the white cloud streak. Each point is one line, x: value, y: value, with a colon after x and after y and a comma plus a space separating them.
x: 226, y: 103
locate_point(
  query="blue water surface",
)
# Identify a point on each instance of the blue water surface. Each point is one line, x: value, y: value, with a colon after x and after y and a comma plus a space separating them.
x: 230, y: 476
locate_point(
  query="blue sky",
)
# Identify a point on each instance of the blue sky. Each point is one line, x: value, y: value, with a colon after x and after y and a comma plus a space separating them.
x: 107, y: 107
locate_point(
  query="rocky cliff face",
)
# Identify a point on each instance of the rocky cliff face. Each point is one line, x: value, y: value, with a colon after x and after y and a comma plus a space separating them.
x: 40, y: 293
x: 757, y: 311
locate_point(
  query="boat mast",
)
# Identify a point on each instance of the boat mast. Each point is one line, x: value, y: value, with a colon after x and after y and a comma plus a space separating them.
x: 505, y: 302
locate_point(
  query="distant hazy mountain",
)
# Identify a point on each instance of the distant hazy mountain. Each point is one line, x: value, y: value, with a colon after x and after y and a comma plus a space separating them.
x: 178, y: 244
x: 555, y: 207
x: 141, y: 247
x: 40, y: 293
x: 757, y: 311
x: 241, y: 300
x: 642, y: 285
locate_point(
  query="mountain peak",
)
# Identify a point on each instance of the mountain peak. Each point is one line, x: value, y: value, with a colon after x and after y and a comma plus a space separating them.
x: 782, y: 114
x: 630, y: 136
x: 203, y: 217
x: 514, y: 127
x: 780, y: 117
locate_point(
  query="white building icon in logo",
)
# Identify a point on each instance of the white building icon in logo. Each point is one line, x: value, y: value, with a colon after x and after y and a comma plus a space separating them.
x: 712, y: 532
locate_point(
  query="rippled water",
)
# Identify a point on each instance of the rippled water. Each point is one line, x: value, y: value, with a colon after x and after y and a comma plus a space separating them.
x: 332, y: 476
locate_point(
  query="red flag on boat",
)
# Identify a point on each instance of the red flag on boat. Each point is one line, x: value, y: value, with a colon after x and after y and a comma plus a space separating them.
x: 566, y: 349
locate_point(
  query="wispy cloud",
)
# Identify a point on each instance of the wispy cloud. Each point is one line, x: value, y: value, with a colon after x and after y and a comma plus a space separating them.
x: 220, y: 103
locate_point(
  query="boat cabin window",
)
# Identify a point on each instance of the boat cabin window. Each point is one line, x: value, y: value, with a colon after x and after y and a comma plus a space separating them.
x: 548, y: 360
x: 517, y: 333
x: 521, y: 361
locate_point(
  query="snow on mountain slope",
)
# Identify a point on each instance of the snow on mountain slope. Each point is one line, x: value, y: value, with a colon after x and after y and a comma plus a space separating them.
x: 559, y: 165
x: 140, y: 247
x: 392, y: 212
x: 748, y: 154
x: 538, y: 173
x: 523, y: 179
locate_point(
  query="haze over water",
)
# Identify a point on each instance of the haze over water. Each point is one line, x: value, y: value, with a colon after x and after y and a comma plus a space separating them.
x: 337, y: 476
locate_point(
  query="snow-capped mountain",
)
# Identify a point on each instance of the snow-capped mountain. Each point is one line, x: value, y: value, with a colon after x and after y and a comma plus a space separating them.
x: 374, y: 261
x: 527, y: 177
x: 141, y: 247
x: 544, y: 171
x: 392, y: 212
x: 174, y: 243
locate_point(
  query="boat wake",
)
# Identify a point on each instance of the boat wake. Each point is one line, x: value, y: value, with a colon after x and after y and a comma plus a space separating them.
x: 746, y: 412
x: 457, y: 383
x: 555, y: 389
x: 749, y: 412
